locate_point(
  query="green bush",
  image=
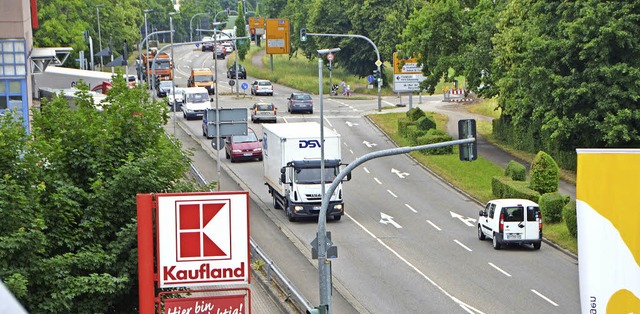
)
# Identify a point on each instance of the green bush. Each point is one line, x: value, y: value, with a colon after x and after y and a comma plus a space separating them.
x: 516, y: 171
x: 435, y: 136
x: 426, y: 123
x: 413, y: 133
x: 505, y: 187
x: 544, y: 174
x: 570, y: 218
x: 551, y: 205
x: 415, y: 113
x: 403, y: 123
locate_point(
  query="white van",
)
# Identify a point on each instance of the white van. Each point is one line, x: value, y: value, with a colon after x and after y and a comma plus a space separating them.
x: 196, y: 101
x: 507, y: 221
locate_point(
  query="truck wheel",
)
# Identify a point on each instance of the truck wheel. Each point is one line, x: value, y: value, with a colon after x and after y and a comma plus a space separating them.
x: 536, y: 245
x: 275, y: 203
x: 496, y: 244
x: 481, y: 235
x: 290, y: 215
x: 337, y: 217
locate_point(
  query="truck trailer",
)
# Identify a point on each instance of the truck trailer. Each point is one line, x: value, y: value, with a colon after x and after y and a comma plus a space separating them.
x: 292, y: 164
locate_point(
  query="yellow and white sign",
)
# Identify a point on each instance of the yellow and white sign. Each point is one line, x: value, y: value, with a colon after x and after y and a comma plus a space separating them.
x: 607, y: 193
x: 407, y: 73
x: 278, y: 36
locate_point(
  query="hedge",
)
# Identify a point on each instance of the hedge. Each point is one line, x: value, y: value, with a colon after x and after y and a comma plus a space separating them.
x: 516, y: 171
x: 505, y: 187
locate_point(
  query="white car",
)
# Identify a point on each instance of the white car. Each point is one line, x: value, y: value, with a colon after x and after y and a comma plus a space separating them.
x: 511, y: 221
x: 179, y: 98
x: 262, y: 87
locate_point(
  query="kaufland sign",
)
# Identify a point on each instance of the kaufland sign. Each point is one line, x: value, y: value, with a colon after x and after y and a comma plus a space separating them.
x: 203, y: 239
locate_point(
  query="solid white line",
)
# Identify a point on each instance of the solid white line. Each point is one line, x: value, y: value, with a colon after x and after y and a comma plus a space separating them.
x: 545, y: 298
x: 328, y: 122
x: 500, y: 270
x: 351, y: 151
x: 413, y: 210
x: 463, y: 305
x: 366, y: 170
x: 462, y: 245
x: 377, y: 180
x: 396, y: 196
x: 434, y: 225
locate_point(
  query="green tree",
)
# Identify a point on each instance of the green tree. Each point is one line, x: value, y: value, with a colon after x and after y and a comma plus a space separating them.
x: 241, y: 31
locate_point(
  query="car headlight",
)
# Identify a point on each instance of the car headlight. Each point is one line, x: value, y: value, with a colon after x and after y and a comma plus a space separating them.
x: 258, y: 149
x: 337, y: 206
x: 236, y: 150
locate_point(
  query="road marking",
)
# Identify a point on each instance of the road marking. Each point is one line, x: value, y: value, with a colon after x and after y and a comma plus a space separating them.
x: 462, y: 245
x: 366, y: 170
x: 369, y: 144
x: 543, y: 297
x: 466, y: 307
x: 351, y: 151
x: 413, y: 210
x: 434, y: 225
x: 500, y: 270
x: 396, y: 196
x: 350, y: 124
x: 386, y: 219
x: 377, y: 180
x: 467, y: 221
x: 400, y: 174
x: 328, y: 122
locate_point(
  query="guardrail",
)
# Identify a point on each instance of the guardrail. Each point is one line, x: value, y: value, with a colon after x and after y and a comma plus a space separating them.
x: 271, y: 271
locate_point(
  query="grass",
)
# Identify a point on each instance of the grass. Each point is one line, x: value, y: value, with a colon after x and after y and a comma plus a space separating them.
x: 474, y: 178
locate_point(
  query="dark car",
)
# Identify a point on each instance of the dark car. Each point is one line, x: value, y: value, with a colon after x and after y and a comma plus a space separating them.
x: 300, y: 102
x: 220, y: 53
x: 242, y: 73
x: 207, y: 44
x: 243, y: 147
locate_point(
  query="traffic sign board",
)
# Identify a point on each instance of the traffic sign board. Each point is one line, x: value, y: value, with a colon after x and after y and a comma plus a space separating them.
x: 330, y: 56
x: 370, y: 78
x: 244, y: 86
x: 378, y: 63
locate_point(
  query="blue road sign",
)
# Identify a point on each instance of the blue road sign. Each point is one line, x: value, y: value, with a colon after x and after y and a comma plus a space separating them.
x: 371, y: 79
x: 244, y: 85
x: 197, y: 45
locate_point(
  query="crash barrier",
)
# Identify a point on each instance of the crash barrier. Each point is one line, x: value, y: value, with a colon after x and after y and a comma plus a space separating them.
x: 457, y: 95
x: 274, y: 278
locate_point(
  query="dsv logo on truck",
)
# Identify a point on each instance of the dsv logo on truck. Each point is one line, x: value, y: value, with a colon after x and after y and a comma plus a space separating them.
x: 308, y: 143
x: 204, y: 272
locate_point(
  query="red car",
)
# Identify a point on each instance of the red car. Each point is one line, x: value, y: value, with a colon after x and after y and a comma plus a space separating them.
x: 243, y: 147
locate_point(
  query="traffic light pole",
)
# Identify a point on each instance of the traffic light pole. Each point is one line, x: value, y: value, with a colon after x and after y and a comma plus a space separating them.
x: 304, y: 34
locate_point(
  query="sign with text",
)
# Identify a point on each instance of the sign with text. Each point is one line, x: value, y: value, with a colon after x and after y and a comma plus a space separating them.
x: 203, y: 239
x: 257, y: 23
x: 278, y: 36
x: 407, y: 73
x: 231, y: 304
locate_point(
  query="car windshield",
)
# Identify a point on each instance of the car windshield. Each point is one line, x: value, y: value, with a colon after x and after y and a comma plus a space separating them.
x: 312, y: 175
x: 264, y: 107
x: 251, y: 137
x: 165, y: 84
x: 203, y: 78
x: 302, y: 97
x: 197, y: 98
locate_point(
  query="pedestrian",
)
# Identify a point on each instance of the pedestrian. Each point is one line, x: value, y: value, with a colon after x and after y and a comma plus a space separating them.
x: 344, y: 88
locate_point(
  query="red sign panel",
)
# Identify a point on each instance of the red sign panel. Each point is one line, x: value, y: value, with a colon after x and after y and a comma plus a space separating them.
x: 231, y: 304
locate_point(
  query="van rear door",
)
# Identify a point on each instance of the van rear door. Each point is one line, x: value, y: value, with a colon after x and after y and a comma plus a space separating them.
x: 514, y: 223
x: 532, y: 225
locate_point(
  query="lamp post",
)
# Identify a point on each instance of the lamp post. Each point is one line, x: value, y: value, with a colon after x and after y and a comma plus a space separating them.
x: 324, y: 265
x: 191, y: 24
x: 146, y: 32
x: 173, y: 89
x: 99, y: 34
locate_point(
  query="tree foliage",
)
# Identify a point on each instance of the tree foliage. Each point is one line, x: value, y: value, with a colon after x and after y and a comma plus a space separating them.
x: 241, y: 31
x: 68, y: 198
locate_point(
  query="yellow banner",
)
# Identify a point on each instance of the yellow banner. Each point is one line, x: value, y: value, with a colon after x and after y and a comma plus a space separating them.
x: 607, y: 188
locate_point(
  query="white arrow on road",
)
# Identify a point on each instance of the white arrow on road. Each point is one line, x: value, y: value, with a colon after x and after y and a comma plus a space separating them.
x: 400, y: 174
x: 467, y: 220
x: 386, y: 219
x: 369, y: 144
x: 350, y: 124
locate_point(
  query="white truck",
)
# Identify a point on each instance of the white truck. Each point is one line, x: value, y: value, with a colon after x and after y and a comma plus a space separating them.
x: 196, y: 102
x: 291, y: 160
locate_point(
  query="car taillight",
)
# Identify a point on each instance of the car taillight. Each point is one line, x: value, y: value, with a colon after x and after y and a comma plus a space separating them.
x: 501, y: 225
x: 540, y: 221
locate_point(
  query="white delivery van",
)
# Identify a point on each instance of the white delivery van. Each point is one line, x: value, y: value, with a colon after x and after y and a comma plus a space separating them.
x: 196, y: 101
x: 511, y: 221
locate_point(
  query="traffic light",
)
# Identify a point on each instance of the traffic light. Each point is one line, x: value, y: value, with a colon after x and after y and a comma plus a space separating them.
x: 303, y: 34
x: 329, y: 66
x: 376, y: 74
x: 467, y: 129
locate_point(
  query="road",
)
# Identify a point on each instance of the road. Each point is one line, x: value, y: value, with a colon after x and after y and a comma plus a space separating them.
x: 408, y: 242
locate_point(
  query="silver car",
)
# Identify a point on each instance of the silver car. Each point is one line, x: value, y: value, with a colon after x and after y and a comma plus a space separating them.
x: 263, y: 111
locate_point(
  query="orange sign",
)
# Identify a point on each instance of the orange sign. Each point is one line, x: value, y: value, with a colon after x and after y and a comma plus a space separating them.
x: 405, y: 64
x: 257, y: 24
x: 278, y: 41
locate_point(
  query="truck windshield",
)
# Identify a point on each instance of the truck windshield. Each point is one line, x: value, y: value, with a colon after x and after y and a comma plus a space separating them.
x: 312, y: 175
x: 200, y: 97
x: 162, y: 65
x: 203, y: 78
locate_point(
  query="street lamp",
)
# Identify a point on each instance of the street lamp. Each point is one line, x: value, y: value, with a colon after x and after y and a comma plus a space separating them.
x: 173, y: 88
x: 99, y: 34
x: 324, y: 268
x: 146, y: 32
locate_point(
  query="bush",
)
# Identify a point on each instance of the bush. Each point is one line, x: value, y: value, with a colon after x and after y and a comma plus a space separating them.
x: 403, y: 123
x: 516, y: 171
x: 415, y: 113
x: 435, y: 136
x: 551, y: 205
x: 505, y: 187
x: 426, y: 123
x: 570, y: 218
x: 413, y: 133
x: 544, y: 174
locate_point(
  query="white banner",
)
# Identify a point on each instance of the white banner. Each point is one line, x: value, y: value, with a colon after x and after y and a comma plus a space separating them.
x: 608, y: 212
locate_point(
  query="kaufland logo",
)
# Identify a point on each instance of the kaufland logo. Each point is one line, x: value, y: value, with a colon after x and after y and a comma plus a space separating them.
x: 203, y: 231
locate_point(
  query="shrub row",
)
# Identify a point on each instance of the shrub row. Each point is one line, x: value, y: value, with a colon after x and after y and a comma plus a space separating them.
x: 420, y: 129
